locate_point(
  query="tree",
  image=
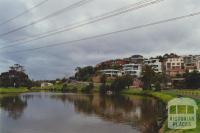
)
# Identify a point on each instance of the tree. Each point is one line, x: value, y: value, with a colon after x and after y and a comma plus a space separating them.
x: 120, y: 83
x: 152, y: 80
x: 64, y: 88
x: 85, y: 73
x: 17, y: 67
x: 15, y: 77
x: 148, y: 76
x: 128, y: 79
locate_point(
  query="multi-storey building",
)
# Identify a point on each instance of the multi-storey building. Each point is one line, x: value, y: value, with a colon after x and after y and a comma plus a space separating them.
x: 174, y: 66
x: 198, y: 65
x: 191, y: 62
x: 136, y: 59
x: 132, y: 69
x: 155, y: 64
x: 111, y: 72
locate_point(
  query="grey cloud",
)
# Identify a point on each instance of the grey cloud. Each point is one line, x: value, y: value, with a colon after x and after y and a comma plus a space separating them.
x: 49, y: 63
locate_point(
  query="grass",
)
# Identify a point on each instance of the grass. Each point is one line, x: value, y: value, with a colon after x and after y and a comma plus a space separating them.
x: 167, y: 96
x: 13, y: 90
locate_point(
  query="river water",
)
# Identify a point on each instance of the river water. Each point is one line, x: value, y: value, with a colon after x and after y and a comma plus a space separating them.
x: 80, y: 113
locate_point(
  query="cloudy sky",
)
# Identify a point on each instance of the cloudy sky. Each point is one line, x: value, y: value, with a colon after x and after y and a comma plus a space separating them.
x: 182, y: 36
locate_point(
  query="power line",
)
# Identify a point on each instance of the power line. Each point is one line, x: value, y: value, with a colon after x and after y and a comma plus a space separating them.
x: 23, y: 13
x: 104, y: 16
x: 75, y: 5
x: 111, y: 33
x: 80, y: 22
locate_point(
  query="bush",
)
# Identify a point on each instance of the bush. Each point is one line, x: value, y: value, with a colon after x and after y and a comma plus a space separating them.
x: 88, y: 88
x: 74, y: 90
x: 64, y: 88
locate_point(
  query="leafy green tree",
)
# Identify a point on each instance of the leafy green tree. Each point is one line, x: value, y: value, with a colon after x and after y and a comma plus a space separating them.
x: 148, y: 76
x: 128, y: 79
x: 85, y: 73
x: 120, y: 83
x: 153, y: 80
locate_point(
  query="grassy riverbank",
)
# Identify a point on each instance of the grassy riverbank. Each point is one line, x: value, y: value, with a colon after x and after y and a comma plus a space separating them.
x: 165, y: 96
x: 70, y: 87
x: 13, y: 90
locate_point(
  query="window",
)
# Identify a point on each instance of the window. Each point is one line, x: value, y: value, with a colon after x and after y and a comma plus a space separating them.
x: 168, y: 65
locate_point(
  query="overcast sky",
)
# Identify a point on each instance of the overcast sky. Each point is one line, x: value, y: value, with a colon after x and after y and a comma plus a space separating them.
x: 181, y: 36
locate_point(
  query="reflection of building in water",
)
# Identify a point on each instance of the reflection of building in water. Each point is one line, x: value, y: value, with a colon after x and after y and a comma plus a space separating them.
x: 136, y: 111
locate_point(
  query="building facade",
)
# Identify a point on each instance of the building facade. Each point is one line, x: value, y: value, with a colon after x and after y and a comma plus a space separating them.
x: 175, y: 66
x: 132, y: 69
x: 111, y: 72
x: 155, y: 64
x: 136, y: 59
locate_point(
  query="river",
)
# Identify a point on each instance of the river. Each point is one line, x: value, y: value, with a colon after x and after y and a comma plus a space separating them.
x: 80, y: 113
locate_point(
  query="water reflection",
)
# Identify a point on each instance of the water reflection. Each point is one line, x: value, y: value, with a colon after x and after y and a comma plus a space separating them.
x: 143, y: 114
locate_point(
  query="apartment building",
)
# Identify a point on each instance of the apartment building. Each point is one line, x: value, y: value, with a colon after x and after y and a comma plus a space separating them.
x: 174, y: 66
x: 136, y: 59
x: 198, y: 65
x: 154, y: 63
x: 111, y: 72
x: 132, y: 69
x: 192, y: 62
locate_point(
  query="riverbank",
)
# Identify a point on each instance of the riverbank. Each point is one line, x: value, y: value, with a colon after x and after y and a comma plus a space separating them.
x: 166, y: 96
x: 70, y: 87
x: 13, y: 90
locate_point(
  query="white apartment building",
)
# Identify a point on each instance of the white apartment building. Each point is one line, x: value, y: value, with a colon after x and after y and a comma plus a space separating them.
x: 132, y: 69
x: 111, y: 72
x: 155, y: 64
